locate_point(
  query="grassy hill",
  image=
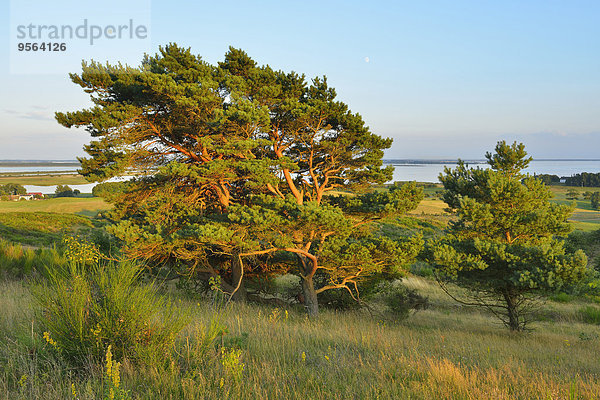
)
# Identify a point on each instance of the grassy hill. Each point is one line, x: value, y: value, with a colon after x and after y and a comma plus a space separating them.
x: 44, y: 222
x: 446, y: 352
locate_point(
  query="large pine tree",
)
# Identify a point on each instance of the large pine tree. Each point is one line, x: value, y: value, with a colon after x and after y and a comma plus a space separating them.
x: 240, y: 163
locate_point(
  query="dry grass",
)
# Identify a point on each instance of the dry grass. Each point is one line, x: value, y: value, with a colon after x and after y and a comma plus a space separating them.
x: 80, y: 205
x: 43, y: 179
x: 431, y: 207
x: 436, y: 354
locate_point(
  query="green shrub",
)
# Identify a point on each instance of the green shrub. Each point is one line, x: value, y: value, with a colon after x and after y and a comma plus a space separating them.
x: 401, y: 300
x: 338, y: 299
x: 572, y: 194
x: 377, y: 293
x: 86, y: 308
x: 63, y: 191
x: 595, y: 200
x: 104, y: 241
x: 590, y: 314
x: 12, y: 189
x: 109, y: 190
x: 561, y: 297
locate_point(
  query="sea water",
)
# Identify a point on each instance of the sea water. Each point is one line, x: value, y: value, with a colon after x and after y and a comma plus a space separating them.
x: 404, y: 170
x: 428, y: 171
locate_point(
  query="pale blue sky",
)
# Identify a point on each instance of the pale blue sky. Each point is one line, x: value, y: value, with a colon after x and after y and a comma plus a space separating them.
x: 445, y: 79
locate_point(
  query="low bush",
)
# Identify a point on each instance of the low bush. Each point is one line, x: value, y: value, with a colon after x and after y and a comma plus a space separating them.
x: 338, y: 299
x: 590, y: 314
x: 561, y: 297
x: 391, y: 297
x: 595, y: 200
x: 90, y: 305
x: 399, y: 299
x: 109, y: 190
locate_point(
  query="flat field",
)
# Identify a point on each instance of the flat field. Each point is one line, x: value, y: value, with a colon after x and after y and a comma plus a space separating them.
x: 43, y: 179
x: 72, y: 205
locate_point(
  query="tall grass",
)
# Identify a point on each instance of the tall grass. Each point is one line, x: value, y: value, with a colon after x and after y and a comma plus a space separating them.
x: 436, y: 354
x: 17, y: 261
x: 590, y: 314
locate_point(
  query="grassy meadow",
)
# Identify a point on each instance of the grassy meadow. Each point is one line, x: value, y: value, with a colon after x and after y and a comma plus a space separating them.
x: 40, y: 228
x: 447, y: 351
x: 44, y: 222
x: 42, y: 179
x: 88, y: 206
x: 584, y: 217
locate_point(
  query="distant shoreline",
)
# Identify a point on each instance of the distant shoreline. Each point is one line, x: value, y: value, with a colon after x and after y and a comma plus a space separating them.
x: 41, y: 163
x: 480, y: 161
x: 392, y: 161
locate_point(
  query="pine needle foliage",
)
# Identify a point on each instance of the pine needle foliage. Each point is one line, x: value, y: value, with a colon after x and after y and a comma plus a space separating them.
x: 238, y: 162
x: 506, y: 245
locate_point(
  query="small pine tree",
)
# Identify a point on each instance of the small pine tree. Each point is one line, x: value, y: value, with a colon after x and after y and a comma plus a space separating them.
x: 504, y: 246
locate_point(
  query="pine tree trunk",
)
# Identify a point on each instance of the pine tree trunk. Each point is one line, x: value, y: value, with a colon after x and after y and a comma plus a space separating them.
x: 228, y: 286
x: 513, y: 314
x: 311, y: 302
x: 310, y: 297
x: 237, y: 277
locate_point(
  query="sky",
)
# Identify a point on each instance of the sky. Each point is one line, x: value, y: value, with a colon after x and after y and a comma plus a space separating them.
x: 444, y: 79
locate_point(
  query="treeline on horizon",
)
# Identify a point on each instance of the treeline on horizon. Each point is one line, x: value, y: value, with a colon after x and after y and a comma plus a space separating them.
x: 584, y: 179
